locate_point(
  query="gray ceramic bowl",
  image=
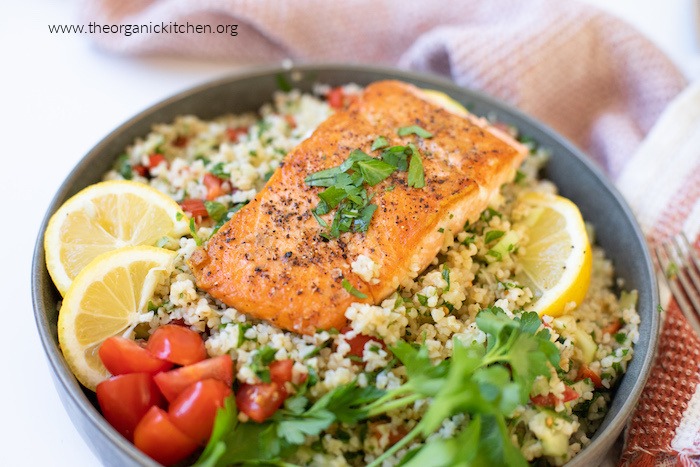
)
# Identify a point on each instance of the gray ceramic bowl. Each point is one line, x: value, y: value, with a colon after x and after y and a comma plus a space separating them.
x: 578, y: 179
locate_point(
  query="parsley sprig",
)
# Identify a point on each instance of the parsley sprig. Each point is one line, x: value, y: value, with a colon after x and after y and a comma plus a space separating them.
x: 345, y: 184
x: 485, y: 382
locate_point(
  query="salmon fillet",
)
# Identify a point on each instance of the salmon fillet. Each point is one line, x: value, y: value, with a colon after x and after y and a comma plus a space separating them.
x: 270, y: 261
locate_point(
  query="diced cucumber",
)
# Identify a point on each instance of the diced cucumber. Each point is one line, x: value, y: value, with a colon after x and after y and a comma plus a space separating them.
x: 552, y: 431
x: 628, y: 299
x: 504, y: 246
x: 566, y: 326
x: 586, y: 344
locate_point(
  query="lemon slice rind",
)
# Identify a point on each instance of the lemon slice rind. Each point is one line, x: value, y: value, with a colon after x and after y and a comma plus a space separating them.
x: 557, y: 259
x: 103, y: 217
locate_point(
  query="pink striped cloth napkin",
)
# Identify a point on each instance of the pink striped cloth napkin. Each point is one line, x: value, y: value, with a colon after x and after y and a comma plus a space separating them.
x: 590, y: 76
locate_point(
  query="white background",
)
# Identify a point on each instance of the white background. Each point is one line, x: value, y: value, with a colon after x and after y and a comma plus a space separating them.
x: 59, y: 96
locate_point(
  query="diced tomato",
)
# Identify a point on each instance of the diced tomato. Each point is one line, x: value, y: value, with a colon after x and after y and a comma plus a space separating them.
x: 357, y: 343
x: 214, y: 186
x: 585, y: 372
x: 195, y: 207
x: 121, y: 355
x: 395, y: 435
x: 233, y: 134
x: 124, y: 399
x: 336, y: 98
x: 544, y: 400
x: 180, y: 141
x: 290, y: 121
x: 172, y: 383
x: 177, y: 344
x: 281, y: 371
x: 155, y: 159
x: 550, y: 400
x: 141, y: 170
x: 260, y: 401
x: 194, y: 410
x: 612, y: 328
x: 158, y: 437
x: 569, y: 394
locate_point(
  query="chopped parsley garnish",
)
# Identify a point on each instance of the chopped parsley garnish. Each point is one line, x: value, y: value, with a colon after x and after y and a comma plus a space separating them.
x: 193, y: 232
x: 489, y: 213
x: 422, y: 299
x: 218, y: 171
x: 493, y: 235
x: 486, y: 383
x: 242, y: 328
x: 268, y: 175
x: 379, y: 143
x: 215, y: 210
x: 414, y: 130
x: 205, y: 160
x: 495, y: 254
x: 345, y: 191
x: 446, y: 276
x: 416, y: 175
x: 469, y: 240
x: 283, y: 83
x: 352, y: 290
x: 124, y: 167
x: 261, y: 361
x: 375, y: 171
x: 345, y: 183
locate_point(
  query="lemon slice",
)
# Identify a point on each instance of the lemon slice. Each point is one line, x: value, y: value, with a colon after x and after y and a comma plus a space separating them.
x: 445, y: 101
x: 106, y: 299
x: 103, y: 217
x: 556, y: 259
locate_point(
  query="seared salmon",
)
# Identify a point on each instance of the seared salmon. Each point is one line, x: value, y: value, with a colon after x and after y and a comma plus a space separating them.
x: 270, y: 260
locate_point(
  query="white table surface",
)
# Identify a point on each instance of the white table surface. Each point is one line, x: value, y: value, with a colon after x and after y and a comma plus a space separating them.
x: 59, y: 97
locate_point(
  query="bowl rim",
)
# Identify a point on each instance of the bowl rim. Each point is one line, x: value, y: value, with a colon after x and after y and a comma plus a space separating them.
x: 74, y: 392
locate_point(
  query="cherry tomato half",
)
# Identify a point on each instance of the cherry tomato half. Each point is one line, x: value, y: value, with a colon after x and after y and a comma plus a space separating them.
x: 124, y: 399
x: 121, y: 355
x: 233, y: 134
x: 157, y: 436
x: 194, y: 410
x: 174, y: 382
x: 214, y: 186
x: 585, y: 372
x: 260, y: 401
x: 177, y: 344
x: 155, y: 159
x: 550, y: 400
x: 357, y: 343
x: 195, y: 207
x: 336, y: 98
x: 281, y: 371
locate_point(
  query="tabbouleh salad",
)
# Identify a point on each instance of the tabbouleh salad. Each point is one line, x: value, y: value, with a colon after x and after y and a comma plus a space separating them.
x: 459, y: 323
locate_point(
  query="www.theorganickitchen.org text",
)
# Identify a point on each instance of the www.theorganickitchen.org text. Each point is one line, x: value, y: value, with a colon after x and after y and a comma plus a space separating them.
x: 170, y: 27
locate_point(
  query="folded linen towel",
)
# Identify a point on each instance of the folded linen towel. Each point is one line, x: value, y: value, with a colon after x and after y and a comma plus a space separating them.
x: 589, y: 75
